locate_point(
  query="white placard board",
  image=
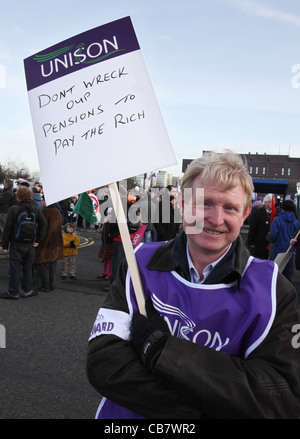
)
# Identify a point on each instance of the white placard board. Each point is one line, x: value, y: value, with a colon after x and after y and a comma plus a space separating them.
x: 95, y: 115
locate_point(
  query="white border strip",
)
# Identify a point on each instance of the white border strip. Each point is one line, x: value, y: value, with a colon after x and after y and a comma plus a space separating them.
x: 273, y: 301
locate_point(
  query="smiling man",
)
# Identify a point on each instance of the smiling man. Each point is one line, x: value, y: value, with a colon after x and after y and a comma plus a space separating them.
x: 223, y: 208
x: 217, y: 339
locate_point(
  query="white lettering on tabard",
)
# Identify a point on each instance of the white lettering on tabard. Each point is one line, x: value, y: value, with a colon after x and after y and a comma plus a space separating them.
x: 109, y: 321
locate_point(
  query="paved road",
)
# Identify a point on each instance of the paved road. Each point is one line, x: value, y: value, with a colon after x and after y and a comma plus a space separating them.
x: 42, y: 368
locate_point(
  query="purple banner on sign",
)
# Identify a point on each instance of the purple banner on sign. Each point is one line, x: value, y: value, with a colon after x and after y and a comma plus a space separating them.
x: 81, y: 51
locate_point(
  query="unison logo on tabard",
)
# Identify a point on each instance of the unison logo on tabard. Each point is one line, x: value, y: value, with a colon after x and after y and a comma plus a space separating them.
x: 69, y: 56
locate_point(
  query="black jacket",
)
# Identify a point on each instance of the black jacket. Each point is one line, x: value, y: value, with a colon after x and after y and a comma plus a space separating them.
x: 8, y: 236
x: 257, y: 237
x: 192, y: 381
x: 7, y: 199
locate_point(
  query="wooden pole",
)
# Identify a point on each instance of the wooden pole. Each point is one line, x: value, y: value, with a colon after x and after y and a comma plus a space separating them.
x: 128, y: 249
x: 283, y: 258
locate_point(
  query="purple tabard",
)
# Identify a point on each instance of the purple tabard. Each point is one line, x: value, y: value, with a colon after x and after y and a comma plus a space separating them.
x: 221, y: 316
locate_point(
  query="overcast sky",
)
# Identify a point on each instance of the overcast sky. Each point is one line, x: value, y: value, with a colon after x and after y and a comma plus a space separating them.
x: 226, y: 73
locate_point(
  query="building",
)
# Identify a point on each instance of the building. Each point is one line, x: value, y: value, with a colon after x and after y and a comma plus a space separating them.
x: 275, y: 174
x: 161, y: 179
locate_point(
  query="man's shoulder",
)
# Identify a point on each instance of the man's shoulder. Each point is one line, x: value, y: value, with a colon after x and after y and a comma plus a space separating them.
x: 26, y: 206
x: 163, y: 255
x: 7, y: 194
x: 263, y: 213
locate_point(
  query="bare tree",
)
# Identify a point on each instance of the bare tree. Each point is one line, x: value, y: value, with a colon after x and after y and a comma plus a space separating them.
x: 15, y: 169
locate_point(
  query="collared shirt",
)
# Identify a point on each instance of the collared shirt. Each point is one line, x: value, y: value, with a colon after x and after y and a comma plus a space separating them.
x: 195, y: 277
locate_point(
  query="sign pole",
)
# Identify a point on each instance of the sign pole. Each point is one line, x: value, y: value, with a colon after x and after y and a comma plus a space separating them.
x: 128, y: 249
x: 283, y: 258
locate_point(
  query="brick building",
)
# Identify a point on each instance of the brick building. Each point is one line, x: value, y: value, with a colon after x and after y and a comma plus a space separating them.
x: 276, y: 174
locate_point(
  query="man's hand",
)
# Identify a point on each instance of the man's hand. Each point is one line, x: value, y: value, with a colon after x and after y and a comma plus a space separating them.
x: 149, y: 335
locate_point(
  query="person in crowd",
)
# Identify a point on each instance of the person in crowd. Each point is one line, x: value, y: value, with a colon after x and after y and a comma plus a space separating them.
x: 70, y: 243
x: 147, y: 210
x: 256, y: 205
x: 37, y: 197
x: 64, y: 208
x: 296, y: 243
x: 169, y: 218
x: 259, y: 228
x: 216, y: 340
x: 284, y: 228
x: 70, y: 215
x: 154, y: 215
x: 38, y: 186
x: 22, y: 239
x: 278, y: 204
x: 133, y: 223
x: 106, y: 247
x: 7, y: 199
x: 25, y: 184
x: 172, y: 190
x: 50, y: 251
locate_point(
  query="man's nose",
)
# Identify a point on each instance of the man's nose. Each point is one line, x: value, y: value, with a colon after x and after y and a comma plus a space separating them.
x: 216, y: 217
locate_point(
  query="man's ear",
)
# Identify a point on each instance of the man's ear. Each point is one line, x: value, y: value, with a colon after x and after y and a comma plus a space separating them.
x: 247, y: 212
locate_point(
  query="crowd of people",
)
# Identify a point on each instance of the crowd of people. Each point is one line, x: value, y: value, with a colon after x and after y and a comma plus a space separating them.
x: 31, y: 232
x: 205, y: 286
x: 270, y: 231
x: 55, y: 234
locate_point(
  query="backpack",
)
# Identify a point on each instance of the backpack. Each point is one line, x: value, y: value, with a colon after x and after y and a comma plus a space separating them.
x: 25, y: 228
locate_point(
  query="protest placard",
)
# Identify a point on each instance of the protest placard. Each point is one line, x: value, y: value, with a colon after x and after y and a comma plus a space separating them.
x: 95, y: 116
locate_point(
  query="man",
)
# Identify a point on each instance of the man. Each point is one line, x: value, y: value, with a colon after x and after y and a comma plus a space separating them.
x: 217, y: 339
x: 168, y: 217
x: 7, y: 199
x: 259, y: 228
x: 22, y: 252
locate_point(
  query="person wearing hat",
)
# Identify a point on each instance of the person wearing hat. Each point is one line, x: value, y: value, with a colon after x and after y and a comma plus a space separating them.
x: 283, y: 228
x: 70, y: 244
x: 7, y: 199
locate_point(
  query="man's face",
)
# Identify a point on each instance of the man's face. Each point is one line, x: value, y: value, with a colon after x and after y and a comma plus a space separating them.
x: 268, y: 205
x: 173, y: 191
x: 222, y: 215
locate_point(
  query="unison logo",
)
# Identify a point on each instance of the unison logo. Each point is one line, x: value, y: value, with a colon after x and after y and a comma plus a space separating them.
x: 71, y: 55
